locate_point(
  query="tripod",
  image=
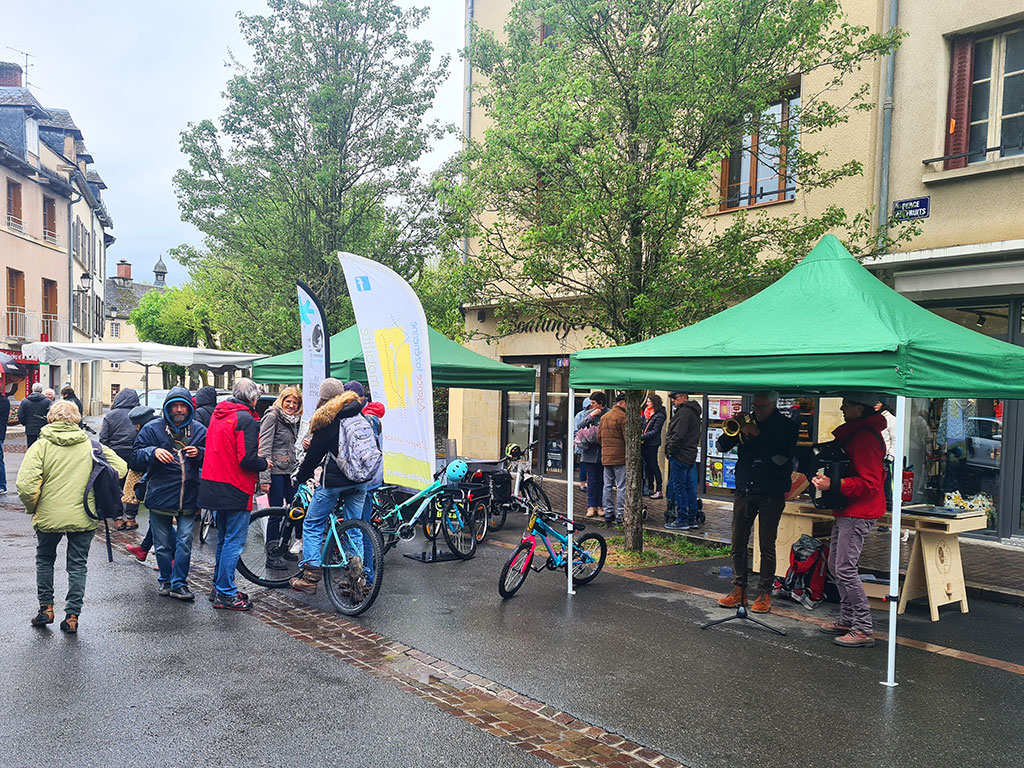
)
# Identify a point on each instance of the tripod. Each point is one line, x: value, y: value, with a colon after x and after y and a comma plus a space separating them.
x: 741, y: 613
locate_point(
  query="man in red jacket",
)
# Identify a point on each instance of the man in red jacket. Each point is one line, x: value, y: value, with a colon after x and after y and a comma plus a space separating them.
x: 864, y: 492
x: 231, y: 470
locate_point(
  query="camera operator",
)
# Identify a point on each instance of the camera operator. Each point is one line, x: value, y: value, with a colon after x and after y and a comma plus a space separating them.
x: 766, y: 446
x: 864, y: 496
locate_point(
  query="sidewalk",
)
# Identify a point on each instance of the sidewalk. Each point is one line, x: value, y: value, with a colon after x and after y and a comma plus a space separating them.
x: 992, y: 571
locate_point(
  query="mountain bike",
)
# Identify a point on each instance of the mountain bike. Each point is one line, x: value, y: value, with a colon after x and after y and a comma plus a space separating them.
x: 588, y: 552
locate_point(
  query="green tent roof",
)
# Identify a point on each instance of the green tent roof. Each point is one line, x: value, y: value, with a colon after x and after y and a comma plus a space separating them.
x: 827, y: 326
x: 451, y: 365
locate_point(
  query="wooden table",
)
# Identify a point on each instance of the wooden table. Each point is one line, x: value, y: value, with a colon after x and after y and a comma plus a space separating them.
x: 935, y: 569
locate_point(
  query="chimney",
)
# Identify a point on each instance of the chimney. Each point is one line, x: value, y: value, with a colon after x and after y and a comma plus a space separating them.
x: 10, y: 75
x: 124, y: 269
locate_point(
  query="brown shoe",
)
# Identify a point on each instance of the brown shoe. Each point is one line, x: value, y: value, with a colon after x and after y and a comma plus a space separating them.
x: 763, y: 604
x: 44, y: 617
x: 734, y: 598
x: 855, y: 639
x: 835, y: 628
x: 308, y: 580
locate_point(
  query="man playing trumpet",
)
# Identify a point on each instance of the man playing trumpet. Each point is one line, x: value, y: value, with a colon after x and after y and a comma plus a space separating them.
x: 766, y: 447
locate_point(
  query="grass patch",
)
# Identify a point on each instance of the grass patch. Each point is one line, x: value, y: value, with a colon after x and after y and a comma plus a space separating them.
x: 660, y: 549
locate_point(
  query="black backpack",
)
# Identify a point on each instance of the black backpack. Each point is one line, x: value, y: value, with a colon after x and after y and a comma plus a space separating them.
x: 105, y: 484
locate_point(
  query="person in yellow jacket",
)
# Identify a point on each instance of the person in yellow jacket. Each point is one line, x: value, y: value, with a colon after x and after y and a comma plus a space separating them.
x: 51, y: 484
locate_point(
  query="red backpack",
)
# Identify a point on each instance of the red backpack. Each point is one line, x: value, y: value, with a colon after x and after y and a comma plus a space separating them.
x: 807, y: 580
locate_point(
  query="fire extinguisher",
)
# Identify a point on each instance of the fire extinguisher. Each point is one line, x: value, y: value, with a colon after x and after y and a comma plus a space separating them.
x: 908, y: 484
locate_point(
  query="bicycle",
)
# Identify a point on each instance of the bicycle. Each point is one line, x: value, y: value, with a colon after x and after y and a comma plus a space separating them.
x: 205, y: 523
x: 351, y: 556
x: 449, y: 514
x: 588, y: 552
x: 510, y: 485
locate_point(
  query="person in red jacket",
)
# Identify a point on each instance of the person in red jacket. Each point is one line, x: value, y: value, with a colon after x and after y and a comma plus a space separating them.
x: 864, y: 492
x: 231, y: 470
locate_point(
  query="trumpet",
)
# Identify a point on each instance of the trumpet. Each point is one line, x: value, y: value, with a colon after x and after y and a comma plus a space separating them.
x: 733, y: 424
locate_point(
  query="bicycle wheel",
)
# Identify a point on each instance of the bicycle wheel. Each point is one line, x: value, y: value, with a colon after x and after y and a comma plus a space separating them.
x: 588, y: 554
x: 480, y: 516
x: 351, y: 587
x: 205, y: 522
x: 496, y: 514
x: 515, y: 570
x: 386, y: 520
x: 431, y: 517
x: 253, y: 561
x: 536, y: 494
x: 457, y: 527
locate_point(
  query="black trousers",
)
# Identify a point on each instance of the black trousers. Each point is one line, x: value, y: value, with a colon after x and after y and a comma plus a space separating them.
x: 744, y: 509
x: 652, y: 470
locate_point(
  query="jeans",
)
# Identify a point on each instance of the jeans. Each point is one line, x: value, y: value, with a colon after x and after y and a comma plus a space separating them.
x: 652, y: 470
x: 843, y: 558
x: 768, y: 510
x: 368, y: 545
x: 173, y: 547
x: 78, y: 557
x: 232, y: 529
x: 325, y: 501
x: 281, y: 492
x: 684, y: 491
x: 593, y: 474
x: 3, y: 467
x: 614, y: 479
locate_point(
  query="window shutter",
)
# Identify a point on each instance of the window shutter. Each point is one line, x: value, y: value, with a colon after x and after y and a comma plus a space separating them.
x: 958, y: 121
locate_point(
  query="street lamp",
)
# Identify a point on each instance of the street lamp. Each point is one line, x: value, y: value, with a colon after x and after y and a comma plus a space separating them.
x: 85, y: 282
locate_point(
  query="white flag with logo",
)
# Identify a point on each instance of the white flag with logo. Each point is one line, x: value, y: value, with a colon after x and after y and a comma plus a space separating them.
x: 316, y: 350
x: 393, y: 335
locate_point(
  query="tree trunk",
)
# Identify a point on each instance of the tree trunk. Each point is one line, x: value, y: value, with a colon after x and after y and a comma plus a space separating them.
x: 633, y: 518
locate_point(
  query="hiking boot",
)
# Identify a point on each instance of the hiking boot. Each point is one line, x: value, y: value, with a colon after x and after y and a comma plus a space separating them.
x: 307, y: 581
x: 734, y: 598
x: 163, y: 588
x: 763, y: 603
x: 183, y: 593
x: 140, y: 553
x: 855, y: 639
x: 45, y: 616
x: 355, y: 565
x: 835, y: 628
x: 239, y: 602
x: 70, y: 624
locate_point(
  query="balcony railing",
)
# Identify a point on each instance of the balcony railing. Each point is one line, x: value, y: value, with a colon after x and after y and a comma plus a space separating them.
x: 51, y: 237
x: 53, y: 328
x: 17, y: 323
x: 26, y: 325
x: 15, y: 223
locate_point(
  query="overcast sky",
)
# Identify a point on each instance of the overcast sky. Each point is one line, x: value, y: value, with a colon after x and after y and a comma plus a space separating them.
x: 134, y: 74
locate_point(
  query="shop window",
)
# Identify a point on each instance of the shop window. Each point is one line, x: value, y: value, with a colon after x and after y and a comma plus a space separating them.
x: 986, y: 98
x: 760, y: 167
x: 542, y: 416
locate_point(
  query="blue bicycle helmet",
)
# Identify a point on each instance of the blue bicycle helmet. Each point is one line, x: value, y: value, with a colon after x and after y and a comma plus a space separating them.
x: 457, y: 470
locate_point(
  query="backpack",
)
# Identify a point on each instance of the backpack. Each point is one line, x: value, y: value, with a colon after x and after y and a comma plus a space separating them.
x: 359, y: 457
x: 807, y: 580
x: 105, y: 485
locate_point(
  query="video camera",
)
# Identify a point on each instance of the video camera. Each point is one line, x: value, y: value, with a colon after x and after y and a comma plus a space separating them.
x: 832, y: 460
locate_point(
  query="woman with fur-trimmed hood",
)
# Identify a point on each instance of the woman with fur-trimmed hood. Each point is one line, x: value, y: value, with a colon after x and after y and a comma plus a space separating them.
x: 335, y: 404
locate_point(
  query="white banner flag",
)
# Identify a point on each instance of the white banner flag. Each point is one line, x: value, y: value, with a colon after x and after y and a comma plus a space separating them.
x: 316, y: 351
x: 393, y: 334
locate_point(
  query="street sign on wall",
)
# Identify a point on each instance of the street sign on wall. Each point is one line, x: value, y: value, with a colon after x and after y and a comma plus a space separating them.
x: 912, y: 208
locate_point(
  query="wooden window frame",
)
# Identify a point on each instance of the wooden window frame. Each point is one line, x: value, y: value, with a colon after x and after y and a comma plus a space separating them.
x: 784, y: 192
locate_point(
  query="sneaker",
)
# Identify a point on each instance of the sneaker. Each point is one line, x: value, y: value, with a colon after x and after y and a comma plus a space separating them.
x: 656, y: 495
x: 140, y: 553
x: 855, y: 639
x: 183, y: 593
x: 213, y: 595
x: 675, y: 525
x: 70, y: 624
x: 45, y: 616
x: 235, y: 603
x: 163, y: 589
x: 276, y: 562
x: 835, y: 628
x: 3, y: 489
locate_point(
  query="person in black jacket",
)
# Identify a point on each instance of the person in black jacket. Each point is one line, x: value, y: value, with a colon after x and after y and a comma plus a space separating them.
x: 336, y: 404
x: 118, y: 434
x: 684, y: 433
x: 650, y: 441
x: 5, y: 413
x: 32, y: 412
x: 763, y: 477
x: 206, y: 401
x: 67, y: 392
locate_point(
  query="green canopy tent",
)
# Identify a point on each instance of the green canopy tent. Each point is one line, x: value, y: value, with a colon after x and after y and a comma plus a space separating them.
x: 451, y: 365
x: 828, y: 326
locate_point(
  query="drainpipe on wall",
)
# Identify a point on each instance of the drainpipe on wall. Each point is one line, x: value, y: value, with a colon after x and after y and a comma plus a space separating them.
x: 887, y: 107
x: 467, y: 123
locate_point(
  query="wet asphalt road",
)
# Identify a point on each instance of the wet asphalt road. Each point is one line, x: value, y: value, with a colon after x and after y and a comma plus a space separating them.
x: 149, y: 681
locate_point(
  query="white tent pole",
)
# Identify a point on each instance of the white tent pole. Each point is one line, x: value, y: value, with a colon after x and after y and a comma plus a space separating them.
x: 569, y: 487
x: 147, y: 383
x: 894, y: 544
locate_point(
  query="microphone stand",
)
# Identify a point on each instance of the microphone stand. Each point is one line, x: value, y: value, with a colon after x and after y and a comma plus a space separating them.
x: 741, y: 613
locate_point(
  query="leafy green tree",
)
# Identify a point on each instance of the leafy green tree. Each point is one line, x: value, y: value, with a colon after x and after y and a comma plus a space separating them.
x: 178, y: 317
x: 315, y: 153
x: 609, y: 121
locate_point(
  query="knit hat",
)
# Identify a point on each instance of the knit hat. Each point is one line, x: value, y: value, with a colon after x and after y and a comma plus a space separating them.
x: 330, y: 388
x: 355, y: 386
x: 868, y: 399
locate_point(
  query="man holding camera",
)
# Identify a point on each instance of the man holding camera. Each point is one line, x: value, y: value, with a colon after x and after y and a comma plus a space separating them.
x: 766, y: 447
